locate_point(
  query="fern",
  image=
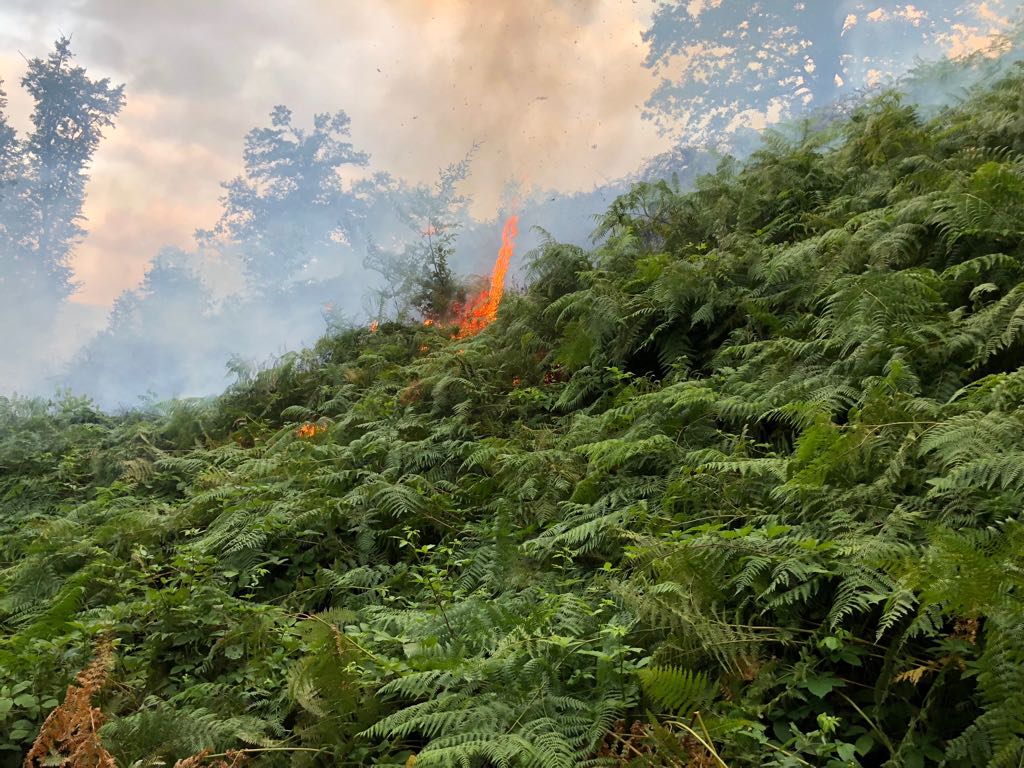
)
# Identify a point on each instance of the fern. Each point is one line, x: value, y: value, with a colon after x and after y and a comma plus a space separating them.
x: 678, y: 690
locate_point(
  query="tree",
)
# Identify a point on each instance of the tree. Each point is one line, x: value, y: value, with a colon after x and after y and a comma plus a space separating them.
x: 290, y: 207
x: 9, y: 172
x: 8, y: 147
x: 768, y: 59
x: 71, y: 111
x: 419, y: 275
x: 159, y: 338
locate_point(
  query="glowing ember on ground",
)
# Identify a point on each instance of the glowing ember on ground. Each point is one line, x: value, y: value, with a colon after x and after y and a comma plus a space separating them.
x: 480, y: 311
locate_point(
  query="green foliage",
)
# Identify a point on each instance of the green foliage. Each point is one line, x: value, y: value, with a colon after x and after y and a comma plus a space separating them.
x: 678, y: 690
x: 747, y: 476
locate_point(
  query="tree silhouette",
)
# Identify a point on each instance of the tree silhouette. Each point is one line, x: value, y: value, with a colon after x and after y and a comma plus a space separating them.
x: 159, y: 338
x: 71, y: 111
x: 729, y: 64
x: 418, y: 275
x: 9, y: 160
x: 290, y: 207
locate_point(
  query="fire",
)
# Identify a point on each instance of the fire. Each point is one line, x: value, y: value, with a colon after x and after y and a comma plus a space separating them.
x: 374, y: 326
x: 480, y: 311
x: 310, y: 429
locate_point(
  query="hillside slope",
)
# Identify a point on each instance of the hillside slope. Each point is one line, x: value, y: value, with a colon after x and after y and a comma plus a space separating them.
x: 740, y: 487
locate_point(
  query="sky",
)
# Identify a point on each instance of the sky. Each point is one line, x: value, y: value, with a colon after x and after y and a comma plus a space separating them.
x: 554, y: 90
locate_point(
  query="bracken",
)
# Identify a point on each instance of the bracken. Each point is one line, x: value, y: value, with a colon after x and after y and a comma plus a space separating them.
x: 71, y: 730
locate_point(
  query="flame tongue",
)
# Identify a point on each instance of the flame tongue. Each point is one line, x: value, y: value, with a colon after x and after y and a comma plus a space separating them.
x: 481, y: 311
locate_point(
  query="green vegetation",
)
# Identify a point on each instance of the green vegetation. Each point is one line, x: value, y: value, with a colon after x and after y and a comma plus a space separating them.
x: 740, y: 487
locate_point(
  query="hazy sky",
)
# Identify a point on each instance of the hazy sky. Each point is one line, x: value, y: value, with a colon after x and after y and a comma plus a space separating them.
x: 553, y: 88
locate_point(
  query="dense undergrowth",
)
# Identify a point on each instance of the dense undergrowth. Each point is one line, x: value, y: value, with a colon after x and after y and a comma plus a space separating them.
x: 740, y: 487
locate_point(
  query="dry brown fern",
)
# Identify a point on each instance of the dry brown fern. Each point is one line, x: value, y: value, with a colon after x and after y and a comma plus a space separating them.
x: 624, y: 746
x: 644, y: 745
x: 228, y: 760
x: 71, y: 731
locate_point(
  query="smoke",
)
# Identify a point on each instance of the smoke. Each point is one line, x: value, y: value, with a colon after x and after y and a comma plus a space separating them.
x: 552, y: 89
x: 172, y: 337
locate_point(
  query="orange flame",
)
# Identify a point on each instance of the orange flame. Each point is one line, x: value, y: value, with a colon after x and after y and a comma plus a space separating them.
x: 374, y: 326
x: 309, y: 429
x: 481, y: 310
